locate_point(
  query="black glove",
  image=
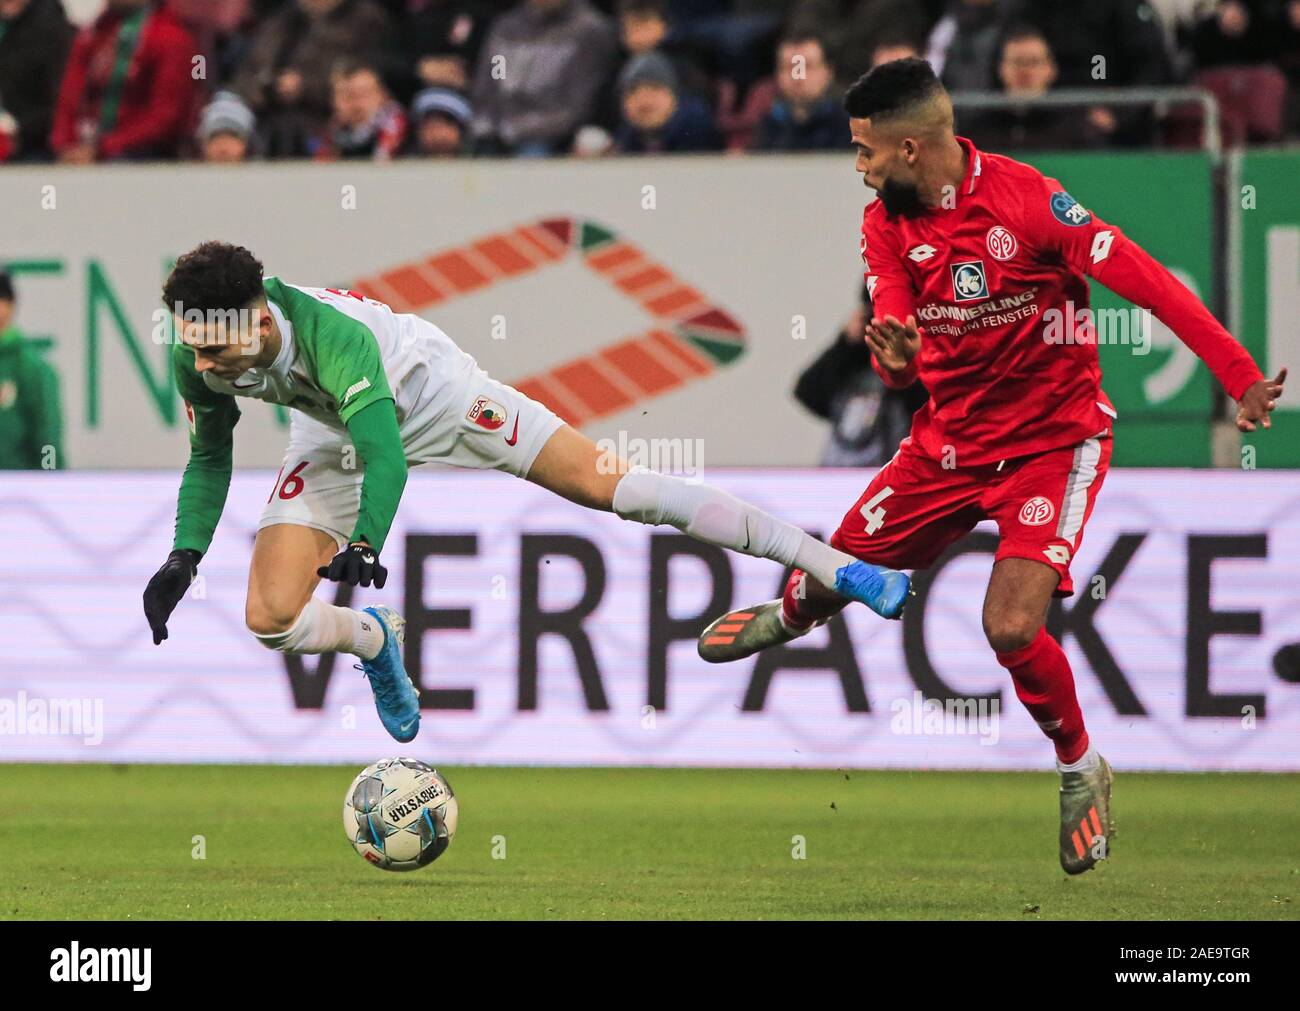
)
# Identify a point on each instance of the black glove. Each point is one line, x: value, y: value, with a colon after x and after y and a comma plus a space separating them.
x: 167, y: 587
x: 357, y: 563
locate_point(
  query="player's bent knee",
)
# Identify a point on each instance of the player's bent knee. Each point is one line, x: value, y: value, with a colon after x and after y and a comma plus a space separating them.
x: 1008, y: 633
x: 268, y: 620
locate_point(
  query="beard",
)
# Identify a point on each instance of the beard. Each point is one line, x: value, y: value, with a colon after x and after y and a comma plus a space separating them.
x: 900, y: 198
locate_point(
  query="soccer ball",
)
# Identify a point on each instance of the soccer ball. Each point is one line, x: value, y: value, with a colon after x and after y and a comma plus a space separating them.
x: 400, y: 814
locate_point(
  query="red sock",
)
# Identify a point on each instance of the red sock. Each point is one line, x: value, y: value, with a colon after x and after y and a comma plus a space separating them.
x: 1045, y: 684
x: 801, y: 611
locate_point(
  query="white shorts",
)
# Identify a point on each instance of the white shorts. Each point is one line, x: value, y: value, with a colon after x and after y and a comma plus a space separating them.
x: 485, y: 426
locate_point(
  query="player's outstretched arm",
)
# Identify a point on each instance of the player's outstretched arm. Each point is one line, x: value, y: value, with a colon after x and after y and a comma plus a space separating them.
x: 1104, y: 252
x: 378, y: 443
x: 206, y: 482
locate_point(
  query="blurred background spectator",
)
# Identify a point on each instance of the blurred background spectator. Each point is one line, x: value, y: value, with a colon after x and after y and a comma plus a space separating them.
x: 367, y: 122
x: 31, y: 416
x: 440, y: 120
x: 808, y: 115
x: 538, y: 75
x: 35, y: 37
x: 868, y: 419
x: 128, y: 91
x: 657, y: 117
x: 226, y: 129
x: 1027, y: 69
x: 963, y: 46
x: 440, y: 42
x: 285, y: 78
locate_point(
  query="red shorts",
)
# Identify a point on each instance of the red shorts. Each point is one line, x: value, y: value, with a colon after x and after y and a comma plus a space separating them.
x: 914, y: 508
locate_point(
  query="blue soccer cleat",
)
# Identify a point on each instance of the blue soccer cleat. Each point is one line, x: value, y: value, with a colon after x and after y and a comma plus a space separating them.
x: 396, y: 699
x: 885, y: 591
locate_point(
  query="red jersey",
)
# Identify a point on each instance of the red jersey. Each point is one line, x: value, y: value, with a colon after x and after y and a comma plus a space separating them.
x: 1006, y: 376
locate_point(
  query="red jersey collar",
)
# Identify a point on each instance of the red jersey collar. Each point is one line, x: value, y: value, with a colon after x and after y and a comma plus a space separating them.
x: 973, y: 167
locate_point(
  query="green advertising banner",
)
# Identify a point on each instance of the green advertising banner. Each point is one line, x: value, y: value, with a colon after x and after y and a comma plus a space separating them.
x: 1164, y: 202
x: 1264, y: 285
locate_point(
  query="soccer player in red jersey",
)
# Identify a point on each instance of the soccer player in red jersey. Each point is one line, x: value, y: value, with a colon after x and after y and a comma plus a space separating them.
x: 967, y: 254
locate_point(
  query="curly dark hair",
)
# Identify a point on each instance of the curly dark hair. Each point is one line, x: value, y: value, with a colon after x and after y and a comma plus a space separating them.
x: 214, y: 276
x: 892, y: 88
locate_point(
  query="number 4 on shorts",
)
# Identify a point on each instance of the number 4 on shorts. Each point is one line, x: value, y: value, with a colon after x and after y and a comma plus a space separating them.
x: 873, y: 512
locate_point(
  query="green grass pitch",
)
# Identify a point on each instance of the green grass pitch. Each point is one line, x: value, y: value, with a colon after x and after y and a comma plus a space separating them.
x: 116, y: 842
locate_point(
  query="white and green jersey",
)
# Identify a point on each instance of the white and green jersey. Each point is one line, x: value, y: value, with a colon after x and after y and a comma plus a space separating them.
x: 342, y: 352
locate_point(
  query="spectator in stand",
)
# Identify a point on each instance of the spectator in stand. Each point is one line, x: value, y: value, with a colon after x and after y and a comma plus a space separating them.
x: 441, y: 40
x: 441, y: 119
x: 1106, y: 43
x: 645, y: 26
x: 657, y: 118
x: 893, y: 47
x: 868, y: 419
x: 220, y: 27
x: 285, y: 79
x: 31, y: 416
x: 368, y: 122
x: 963, y: 47
x: 1232, y: 34
x: 1288, y: 60
x: 538, y: 75
x: 808, y: 114
x: 1028, y: 71
x: 128, y: 90
x: 35, y: 37
x: 226, y: 129
x: 858, y: 28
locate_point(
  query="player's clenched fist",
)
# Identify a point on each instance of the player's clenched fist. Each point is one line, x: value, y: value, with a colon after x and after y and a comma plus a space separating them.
x: 167, y: 587
x: 357, y: 563
x: 893, y: 343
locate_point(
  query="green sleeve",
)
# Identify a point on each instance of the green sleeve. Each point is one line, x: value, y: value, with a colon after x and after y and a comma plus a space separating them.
x: 212, y: 418
x: 379, y: 445
x: 341, y: 352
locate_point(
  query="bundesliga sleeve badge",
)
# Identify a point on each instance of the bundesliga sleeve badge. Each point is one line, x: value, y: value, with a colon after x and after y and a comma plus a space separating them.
x: 1068, y: 211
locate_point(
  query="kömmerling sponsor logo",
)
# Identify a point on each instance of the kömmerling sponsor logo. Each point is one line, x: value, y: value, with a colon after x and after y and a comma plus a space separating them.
x: 1112, y: 326
x: 75, y: 964
x: 667, y: 456
x: 919, y: 716
x: 42, y: 717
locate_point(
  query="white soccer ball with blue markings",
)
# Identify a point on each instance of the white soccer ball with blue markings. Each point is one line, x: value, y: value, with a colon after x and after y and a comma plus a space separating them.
x: 400, y: 814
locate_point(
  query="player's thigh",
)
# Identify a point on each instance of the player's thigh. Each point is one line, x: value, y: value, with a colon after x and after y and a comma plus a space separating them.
x: 1015, y: 605
x: 574, y: 467
x: 309, y: 515
x: 912, y: 510
x: 1042, y: 506
x: 282, y: 575
x: 491, y: 426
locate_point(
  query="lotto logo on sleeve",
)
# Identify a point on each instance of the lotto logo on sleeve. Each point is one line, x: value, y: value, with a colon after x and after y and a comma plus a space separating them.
x: 486, y: 414
x: 968, y: 281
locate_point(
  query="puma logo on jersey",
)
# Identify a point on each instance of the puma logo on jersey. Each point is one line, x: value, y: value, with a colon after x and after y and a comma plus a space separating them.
x: 356, y: 388
x: 918, y: 254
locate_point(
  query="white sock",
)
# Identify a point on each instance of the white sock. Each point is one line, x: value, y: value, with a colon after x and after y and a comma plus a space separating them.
x: 711, y: 515
x: 1087, y: 763
x: 325, y: 628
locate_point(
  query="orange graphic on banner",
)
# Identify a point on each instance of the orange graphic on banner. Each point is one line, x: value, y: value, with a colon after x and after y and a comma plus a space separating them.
x: 692, y: 339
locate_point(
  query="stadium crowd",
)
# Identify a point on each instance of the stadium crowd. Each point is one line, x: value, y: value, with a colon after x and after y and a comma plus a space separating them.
x: 228, y: 80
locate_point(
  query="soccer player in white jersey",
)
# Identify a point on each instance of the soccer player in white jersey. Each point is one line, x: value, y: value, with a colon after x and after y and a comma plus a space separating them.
x: 398, y: 391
